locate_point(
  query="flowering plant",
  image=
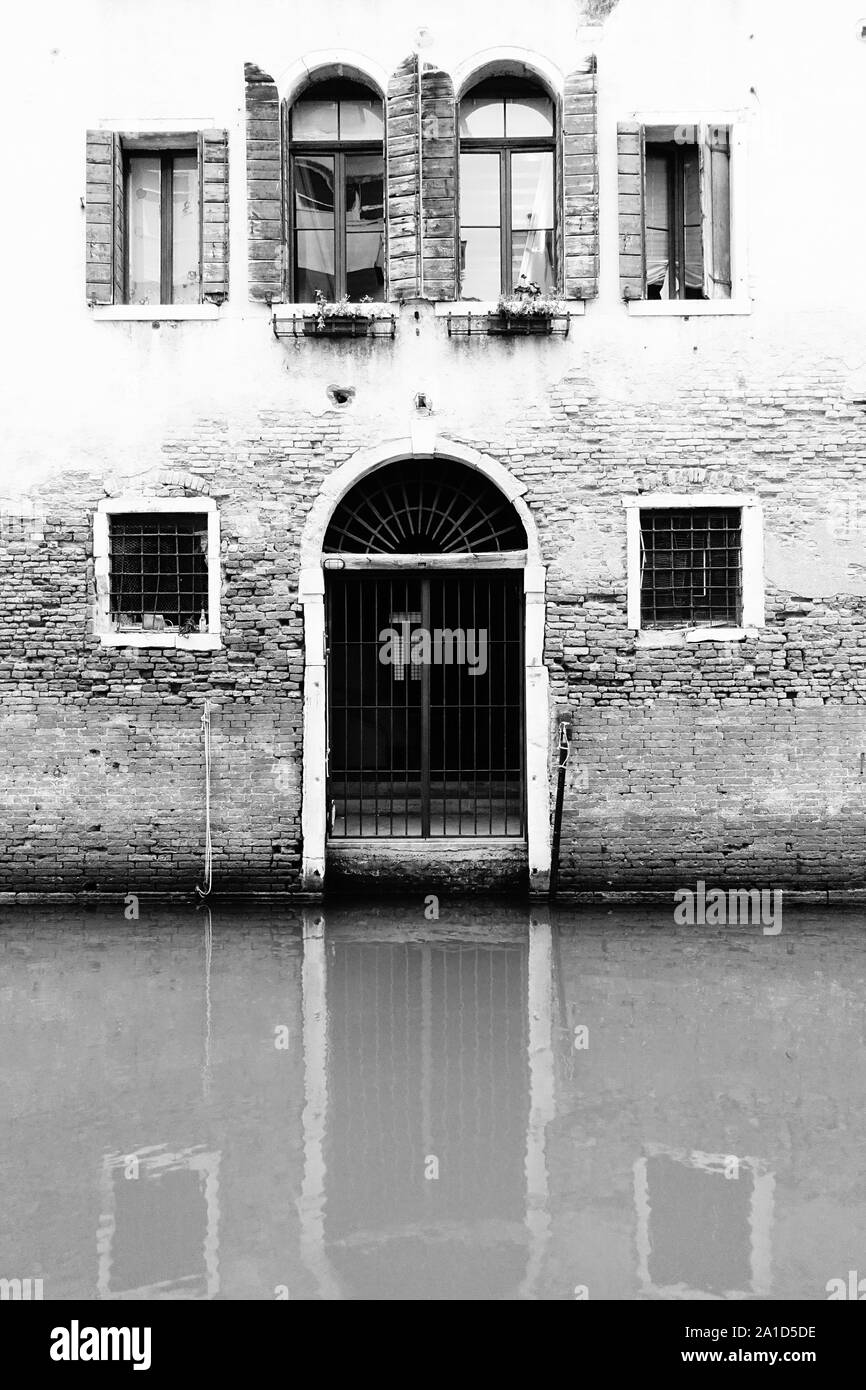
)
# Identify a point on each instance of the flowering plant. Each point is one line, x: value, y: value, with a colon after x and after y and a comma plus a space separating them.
x: 343, y: 308
x: 529, y: 301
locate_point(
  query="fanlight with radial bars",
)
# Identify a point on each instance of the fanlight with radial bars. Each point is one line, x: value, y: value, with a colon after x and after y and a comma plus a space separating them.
x: 425, y: 506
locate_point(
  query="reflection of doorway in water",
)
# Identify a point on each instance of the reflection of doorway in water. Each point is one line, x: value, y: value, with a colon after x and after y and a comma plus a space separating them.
x: 427, y: 1057
x: 704, y: 1224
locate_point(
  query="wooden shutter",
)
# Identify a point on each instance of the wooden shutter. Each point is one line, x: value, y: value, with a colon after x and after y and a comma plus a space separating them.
x: 630, y: 172
x: 403, y: 181
x: 104, y: 272
x: 714, y: 151
x: 213, y: 173
x: 439, y: 185
x: 264, y: 186
x: 580, y: 182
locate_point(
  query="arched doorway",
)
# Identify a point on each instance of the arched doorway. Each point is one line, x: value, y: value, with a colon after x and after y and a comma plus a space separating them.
x: 425, y: 709
x: 425, y: 660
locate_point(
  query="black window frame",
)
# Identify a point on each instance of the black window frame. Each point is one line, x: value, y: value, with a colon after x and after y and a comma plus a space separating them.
x: 166, y: 159
x: 506, y: 146
x: 675, y: 156
x: 335, y: 90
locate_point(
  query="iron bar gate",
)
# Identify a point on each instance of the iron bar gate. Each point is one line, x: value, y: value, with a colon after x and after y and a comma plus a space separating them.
x: 425, y: 704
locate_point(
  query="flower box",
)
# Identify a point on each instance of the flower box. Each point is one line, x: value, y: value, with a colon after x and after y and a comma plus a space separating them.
x: 338, y: 326
x: 505, y: 322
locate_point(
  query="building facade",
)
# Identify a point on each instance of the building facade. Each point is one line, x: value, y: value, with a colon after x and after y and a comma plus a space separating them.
x: 422, y: 400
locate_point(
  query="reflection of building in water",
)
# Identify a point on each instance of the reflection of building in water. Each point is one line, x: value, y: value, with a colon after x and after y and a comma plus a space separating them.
x: 703, y: 1224
x: 425, y: 1171
x: 158, y: 1235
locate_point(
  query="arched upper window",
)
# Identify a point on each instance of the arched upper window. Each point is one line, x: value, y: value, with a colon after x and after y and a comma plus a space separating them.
x: 507, y: 131
x: 337, y: 172
x: 420, y: 506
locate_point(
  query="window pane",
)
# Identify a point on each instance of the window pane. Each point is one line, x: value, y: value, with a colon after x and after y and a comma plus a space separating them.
x: 143, y: 218
x: 692, y: 211
x: 314, y: 227
x: 481, y: 273
x: 314, y: 265
x: 314, y: 120
x: 532, y: 259
x: 361, y: 120
x: 479, y: 190
x: 365, y: 261
x: 365, y: 184
x: 482, y: 116
x: 365, y: 227
x: 531, y: 191
x: 185, y: 230
x: 529, y: 116
x: 314, y: 191
x: 658, y: 236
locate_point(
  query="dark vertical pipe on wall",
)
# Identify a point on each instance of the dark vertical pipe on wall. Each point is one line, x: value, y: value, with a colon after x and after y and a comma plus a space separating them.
x: 564, y: 743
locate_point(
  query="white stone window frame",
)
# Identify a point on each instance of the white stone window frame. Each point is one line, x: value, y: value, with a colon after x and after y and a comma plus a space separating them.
x: 108, y: 635
x: 752, y: 559
x: 740, y: 301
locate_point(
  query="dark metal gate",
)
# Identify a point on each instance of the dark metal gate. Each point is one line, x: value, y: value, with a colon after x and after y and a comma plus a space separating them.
x: 425, y: 704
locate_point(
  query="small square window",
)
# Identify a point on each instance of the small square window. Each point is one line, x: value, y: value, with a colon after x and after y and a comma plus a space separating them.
x: 156, y: 564
x: 691, y: 567
x: 159, y: 572
x: 695, y: 567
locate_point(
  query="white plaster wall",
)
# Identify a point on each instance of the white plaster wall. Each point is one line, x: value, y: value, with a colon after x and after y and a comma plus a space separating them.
x: 81, y: 394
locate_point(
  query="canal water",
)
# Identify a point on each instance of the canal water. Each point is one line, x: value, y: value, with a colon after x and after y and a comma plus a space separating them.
x: 359, y: 1102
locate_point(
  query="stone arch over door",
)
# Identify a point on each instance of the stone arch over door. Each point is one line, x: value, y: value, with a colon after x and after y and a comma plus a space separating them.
x: 312, y: 598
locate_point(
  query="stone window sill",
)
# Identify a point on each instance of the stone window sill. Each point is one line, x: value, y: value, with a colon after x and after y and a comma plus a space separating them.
x: 154, y: 313
x: 686, y: 308
x: 685, y: 636
x: 195, y: 642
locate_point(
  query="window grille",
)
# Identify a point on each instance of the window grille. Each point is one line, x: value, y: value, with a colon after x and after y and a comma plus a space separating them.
x: 425, y: 749
x: 424, y: 507
x: 159, y: 575
x: 691, y: 567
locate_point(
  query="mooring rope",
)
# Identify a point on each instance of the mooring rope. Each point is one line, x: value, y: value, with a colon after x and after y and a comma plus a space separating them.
x: 208, y: 959
x: 208, y: 845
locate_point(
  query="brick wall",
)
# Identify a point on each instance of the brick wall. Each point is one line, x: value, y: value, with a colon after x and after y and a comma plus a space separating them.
x: 738, y: 761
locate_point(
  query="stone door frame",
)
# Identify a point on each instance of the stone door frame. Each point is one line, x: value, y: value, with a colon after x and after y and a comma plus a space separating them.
x: 311, y: 592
